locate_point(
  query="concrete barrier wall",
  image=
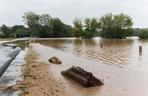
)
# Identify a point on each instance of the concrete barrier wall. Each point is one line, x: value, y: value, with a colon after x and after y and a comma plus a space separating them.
x: 14, y: 52
x: 4, y: 65
x: 9, y: 58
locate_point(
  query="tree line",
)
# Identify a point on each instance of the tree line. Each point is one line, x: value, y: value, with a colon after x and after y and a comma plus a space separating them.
x: 44, y: 26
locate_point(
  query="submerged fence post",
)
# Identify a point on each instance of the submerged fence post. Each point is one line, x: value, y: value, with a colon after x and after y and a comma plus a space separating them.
x: 140, y: 50
x: 101, y: 45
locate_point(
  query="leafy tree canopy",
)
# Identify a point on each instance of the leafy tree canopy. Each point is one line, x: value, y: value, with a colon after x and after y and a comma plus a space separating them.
x: 115, y: 26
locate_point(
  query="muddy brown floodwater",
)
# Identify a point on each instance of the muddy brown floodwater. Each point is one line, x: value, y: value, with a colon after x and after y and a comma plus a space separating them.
x: 117, y: 62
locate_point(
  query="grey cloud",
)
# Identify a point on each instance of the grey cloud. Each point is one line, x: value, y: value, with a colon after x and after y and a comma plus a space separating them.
x: 12, y: 10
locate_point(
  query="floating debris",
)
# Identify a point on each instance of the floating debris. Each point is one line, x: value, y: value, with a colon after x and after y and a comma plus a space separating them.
x: 55, y: 60
x: 86, y: 79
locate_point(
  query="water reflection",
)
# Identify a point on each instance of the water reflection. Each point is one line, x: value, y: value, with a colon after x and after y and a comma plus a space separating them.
x: 130, y: 80
x: 56, y: 43
x: 143, y: 41
x: 116, y: 52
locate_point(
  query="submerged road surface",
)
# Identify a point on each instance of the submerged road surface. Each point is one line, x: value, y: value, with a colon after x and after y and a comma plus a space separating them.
x: 124, y: 80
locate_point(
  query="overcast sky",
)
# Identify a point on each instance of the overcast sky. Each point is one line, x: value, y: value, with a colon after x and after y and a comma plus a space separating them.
x: 11, y: 11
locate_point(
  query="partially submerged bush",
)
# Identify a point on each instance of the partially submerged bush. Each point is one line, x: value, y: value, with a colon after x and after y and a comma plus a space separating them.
x: 143, y: 34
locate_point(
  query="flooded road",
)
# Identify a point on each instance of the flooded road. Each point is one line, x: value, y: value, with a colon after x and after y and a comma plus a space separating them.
x: 118, y: 62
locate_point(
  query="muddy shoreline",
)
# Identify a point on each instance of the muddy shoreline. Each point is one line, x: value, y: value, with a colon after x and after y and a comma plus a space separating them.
x: 38, y: 80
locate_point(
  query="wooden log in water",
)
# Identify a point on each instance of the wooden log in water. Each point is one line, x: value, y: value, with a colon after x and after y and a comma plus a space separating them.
x: 80, y: 71
x: 140, y: 50
x: 83, y: 77
x: 101, y: 46
x: 78, y: 78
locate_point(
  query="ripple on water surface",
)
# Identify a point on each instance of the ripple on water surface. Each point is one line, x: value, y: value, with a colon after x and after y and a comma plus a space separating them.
x: 118, y: 62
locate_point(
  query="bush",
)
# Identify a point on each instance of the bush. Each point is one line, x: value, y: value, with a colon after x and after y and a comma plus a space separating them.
x: 143, y: 34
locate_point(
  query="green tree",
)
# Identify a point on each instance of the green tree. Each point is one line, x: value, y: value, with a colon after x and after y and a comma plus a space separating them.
x: 57, y: 27
x: 117, y: 26
x: 15, y: 27
x: 143, y: 34
x: 106, y: 25
x: 6, y: 30
x: 45, y: 27
x: 136, y: 31
x: 32, y: 20
x: 45, y: 19
x: 78, y: 27
x: 21, y: 32
x: 90, y: 27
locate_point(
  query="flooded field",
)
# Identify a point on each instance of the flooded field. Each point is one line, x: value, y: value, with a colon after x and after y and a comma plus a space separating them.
x: 119, y: 53
x: 117, y: 62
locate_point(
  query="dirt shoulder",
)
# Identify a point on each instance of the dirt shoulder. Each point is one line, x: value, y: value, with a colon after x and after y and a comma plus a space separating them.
x: 38, y: 80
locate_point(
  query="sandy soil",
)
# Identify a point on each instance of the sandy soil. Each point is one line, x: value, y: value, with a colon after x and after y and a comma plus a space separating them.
x: 38, y: 80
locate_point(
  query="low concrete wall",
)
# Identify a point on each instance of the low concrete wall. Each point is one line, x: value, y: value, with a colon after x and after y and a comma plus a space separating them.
x: 9, y: 58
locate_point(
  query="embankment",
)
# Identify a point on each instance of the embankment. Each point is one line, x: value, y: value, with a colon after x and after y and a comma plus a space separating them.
x: 38, y: 80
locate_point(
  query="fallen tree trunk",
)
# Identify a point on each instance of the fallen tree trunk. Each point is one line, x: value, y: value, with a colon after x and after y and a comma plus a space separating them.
x: 83, y: 77
x: 76, y: 77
